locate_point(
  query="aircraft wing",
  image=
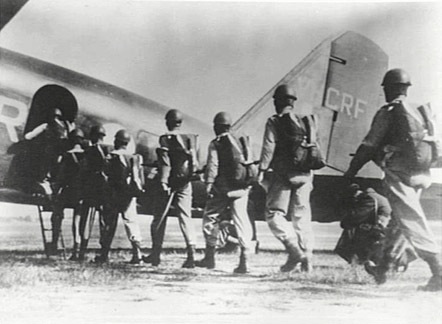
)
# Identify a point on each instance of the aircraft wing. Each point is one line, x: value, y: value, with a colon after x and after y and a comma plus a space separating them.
x: 340, y: 82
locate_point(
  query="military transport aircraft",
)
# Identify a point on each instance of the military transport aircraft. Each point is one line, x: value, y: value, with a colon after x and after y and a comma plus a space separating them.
x: 339, y: 81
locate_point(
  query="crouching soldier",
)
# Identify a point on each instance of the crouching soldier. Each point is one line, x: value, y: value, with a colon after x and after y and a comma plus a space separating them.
x: 125, y: 180
x: 227, y: 186
x: 370, y: 236
x: 66, y: 186
x: 177, y: 162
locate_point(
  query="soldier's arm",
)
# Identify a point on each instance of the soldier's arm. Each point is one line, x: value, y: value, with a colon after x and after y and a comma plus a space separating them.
x: 269, y: 144
x: 212, y: 164
x: 164, y: 165
x: 36, y: 131
x: 372, y: 142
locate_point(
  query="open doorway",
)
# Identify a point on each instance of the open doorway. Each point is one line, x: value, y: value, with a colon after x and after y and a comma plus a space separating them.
x: 33, y: 157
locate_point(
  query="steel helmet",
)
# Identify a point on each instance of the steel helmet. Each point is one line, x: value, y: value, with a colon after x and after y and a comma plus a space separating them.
x: 76, y: 133
x: 97, y: 130
x: 57, y: 113
x: 222, y: 118
x: 123, y: 136
x: 284, y: 91
x: 396, y: 76
x: 174, y: 115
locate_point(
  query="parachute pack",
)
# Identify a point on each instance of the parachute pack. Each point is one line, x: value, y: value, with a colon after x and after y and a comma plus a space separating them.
x: 234, y: 161
x: 178, y: 154
x: 128, y: 177
x: 301, y: 143
x: 363, y: 239
x: 414, y: 142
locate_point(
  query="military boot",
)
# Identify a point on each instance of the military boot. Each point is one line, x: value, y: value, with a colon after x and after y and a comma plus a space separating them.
x: 209, y: 259
x: 190, y: 261
x: 435, y: 282
x: 242, y: 266
x: 103, y: 257
x: 83, y: 248
x: 75, y: 250
x: 306, y: 265
x: 136, y: 254
x: 154, y: 256
x: 379, y: 272
x: 295, y: 256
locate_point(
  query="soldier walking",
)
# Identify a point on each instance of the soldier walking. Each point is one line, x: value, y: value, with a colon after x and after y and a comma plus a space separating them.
x: 123, y: 171
x: 177, y: 163
x: 402, y: 142
x: 288, y: 186
x: 227, y: 186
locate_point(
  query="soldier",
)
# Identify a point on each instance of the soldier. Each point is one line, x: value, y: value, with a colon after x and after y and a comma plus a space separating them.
x: 288, y: 187
x: 401, y: 141
x: 66, y: 186
x: 93, y: 187
x: 227, y: 186
x: 123, y: 171
x: 369, y: 236
x: 48, y: 144
x: 177, y: 162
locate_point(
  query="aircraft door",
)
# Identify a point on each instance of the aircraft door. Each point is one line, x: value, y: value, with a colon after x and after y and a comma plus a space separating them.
x: 31, y: 160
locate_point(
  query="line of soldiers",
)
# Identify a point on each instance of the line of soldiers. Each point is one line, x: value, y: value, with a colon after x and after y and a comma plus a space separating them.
x: 289, y: 154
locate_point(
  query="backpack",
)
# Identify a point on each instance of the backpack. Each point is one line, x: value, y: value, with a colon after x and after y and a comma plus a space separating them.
x: 409, y: 136
x: 127, y: 178
x: 67, y: 184
x: 181, y: 155
x: 364, y: 238
x: 300, y: 143
x: 233, y: 161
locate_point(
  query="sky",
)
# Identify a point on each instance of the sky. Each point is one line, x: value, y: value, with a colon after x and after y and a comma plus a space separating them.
x: 205, y: 57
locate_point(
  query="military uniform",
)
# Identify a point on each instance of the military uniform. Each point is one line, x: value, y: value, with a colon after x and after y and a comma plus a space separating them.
x: 288, y: 190
x: 47, y: 142
x: 94, y: 191
x: 218, y: 173
x: 121, y: 201
x: 177, y: 161
x: 66, y: 190
x: 403, y: 183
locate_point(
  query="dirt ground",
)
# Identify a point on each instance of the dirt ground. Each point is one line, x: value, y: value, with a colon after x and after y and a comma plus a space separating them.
x: 34, y: 289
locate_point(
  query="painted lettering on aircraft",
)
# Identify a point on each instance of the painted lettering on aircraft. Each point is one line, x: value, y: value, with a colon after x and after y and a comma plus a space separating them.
x: 344, y: 102
x: 12, y: 115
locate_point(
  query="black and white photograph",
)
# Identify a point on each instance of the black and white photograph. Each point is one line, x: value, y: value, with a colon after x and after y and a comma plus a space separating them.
x: 220, y: 162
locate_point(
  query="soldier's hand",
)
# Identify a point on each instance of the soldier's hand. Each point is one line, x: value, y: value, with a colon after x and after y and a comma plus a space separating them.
x: 260, y: 176
x: 165, y: 188
x: 209, y: 190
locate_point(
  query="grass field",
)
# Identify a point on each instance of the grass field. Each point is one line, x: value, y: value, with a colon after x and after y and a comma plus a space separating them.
x: 34, y: 289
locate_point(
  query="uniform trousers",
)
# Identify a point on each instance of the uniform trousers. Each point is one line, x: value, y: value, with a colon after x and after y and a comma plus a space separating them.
x: 286, y: 199
x: 407, y: 209
x: 183, y: 204
x: 81, y: 223
x: 110, y: 221
x: 215, y: 207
